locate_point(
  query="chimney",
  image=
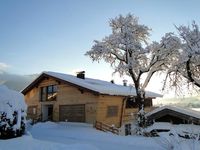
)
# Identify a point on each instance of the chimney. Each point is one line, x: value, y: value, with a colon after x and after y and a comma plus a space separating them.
x: 80, y: 74
x: 125, y: 82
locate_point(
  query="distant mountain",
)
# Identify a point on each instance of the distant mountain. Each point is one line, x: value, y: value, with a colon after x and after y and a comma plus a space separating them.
x: 16, y: 82
x: 187, y: 102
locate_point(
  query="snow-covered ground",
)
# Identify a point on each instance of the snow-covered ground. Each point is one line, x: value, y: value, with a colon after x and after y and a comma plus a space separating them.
x: 81, y: 136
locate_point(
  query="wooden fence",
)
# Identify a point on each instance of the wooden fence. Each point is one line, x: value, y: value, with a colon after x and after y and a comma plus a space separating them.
x: 106, y: 128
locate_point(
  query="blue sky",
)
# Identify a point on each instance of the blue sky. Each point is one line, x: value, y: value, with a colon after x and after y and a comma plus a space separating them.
x: 41, y: 35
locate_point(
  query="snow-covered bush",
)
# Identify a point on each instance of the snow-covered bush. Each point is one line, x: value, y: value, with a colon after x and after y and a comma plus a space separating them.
x: 12, y: 113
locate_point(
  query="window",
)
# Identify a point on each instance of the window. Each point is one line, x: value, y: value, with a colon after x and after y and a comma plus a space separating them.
x: 48, y: 93
x: 131, y: 103
x: 112, y: 111
x: 148, y: 102
x: 43, y: 93
x: 32, y: 110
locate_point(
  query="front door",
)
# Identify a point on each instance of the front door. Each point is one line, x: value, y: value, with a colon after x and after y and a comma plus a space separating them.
x: 50, y: 113
x: 47, y: 112
x: 128, y: 129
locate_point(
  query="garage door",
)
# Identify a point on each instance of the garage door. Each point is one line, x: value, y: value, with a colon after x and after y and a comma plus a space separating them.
x: 72, y: 113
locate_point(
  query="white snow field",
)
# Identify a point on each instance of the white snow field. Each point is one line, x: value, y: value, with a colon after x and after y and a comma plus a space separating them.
x: 81, y: 136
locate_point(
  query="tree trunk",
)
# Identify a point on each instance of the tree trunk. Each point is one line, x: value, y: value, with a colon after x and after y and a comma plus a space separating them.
x: 140, y: 97
x: 141, y: 114
x: 140, y: 102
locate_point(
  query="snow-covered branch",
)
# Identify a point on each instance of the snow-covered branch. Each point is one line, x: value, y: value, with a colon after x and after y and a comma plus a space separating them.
x: 186, y: 64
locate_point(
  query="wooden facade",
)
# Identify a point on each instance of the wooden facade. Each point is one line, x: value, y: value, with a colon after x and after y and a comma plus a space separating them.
x: 68, y: 102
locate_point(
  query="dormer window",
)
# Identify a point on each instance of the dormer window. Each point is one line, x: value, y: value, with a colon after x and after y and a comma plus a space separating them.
x: 48, y: 93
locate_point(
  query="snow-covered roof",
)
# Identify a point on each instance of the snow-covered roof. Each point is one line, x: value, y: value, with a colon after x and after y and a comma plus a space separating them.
x: 159, y: 126
x: 99, y: 86
x: 181, y: 110
x: 180, y: 128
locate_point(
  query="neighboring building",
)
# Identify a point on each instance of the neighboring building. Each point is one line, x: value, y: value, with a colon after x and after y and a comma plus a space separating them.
x: 60, y: 97
x: 174, y: 115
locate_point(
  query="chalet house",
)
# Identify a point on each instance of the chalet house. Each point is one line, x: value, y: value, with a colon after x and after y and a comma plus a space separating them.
x: 174, y: 115
x: 61, y: 97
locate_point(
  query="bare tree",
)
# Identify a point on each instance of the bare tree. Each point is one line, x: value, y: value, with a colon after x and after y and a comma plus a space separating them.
x: 127, y: 50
